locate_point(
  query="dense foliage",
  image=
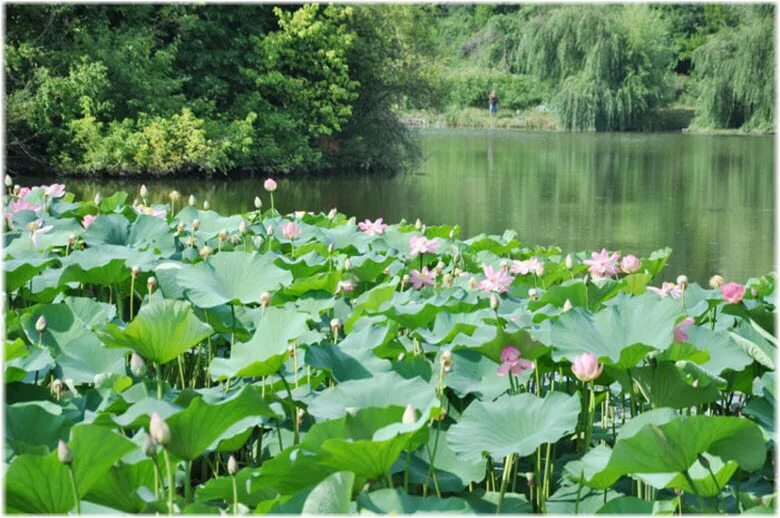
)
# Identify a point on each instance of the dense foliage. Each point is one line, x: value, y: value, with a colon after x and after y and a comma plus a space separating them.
x: 165, y: 359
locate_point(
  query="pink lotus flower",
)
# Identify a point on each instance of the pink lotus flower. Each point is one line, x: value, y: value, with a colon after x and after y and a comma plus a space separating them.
x: 55, y: 190
x: 290, y: 230
x: 20, y: 205
x: 530, y: 265
x: 36, y: 230
x: 422, y: 245
x: 495, y: 280
x: 377, y: 228
x: 602, y: 264
x: 269, y: 185
x: 422, y: 278
x: 24, y: 191
x: 667, y: 288
x: 732, y: 292
x: 586, y: 367
x: 88, y: 220
x: 679, y: 330
x: 511, y: 362
x: 630, y: 264
x: 150, y: 211
x: 347, y: 286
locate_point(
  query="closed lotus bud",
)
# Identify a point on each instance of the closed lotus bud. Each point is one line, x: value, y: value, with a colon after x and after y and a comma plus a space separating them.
x: 206, y: 205
x: 505, y: 265
x: 135, y: 202
x: 299, y: 415
x: 232, y: 466
x: 404, y: 280
x: 57, y: 386
x: 158, y: 430
x: 423, y: 229
x: 195, y: 225
x: 439, y: 267
x: 457, y: 272
x: 330, y: 248
x: 174, y: 196
x: 754, y: 292
x: 265, y: 298
x: 682, y: 281
x: 190, y: 241
x: 347, y: 264
x: 40, y: 324
x: 386, y: 271
x: 695, y: 383
x: 234, y: 239
x: 409, y: 416
x: 71, y: 239
x: 270, y: 230
x: 703, y: 461
x: 446, y: 359
x: 332, y: 214
x: 401, y: 356
x: 257, y: 241
x: 137, y: 365
x: 446, y: 280
x: 567, y: 305
x: 473, y: 283
x: 143, y: 191
x: 17, y: 189
x: 586, y: 367
x: 351, y: 410
x: 63, y: 453
x: 242, y: 227
x: 569, y: 262
x: 418, y: 224
x: 530, y: 477
x: 452, y: 234
x: 8, y: 181
x: 151, y: 282
x: 180, y: 229
x: 135, y: 270
x: 149, y: 447
x: 493, y: 301
x: 716, y: 281
x: 269, y: 185
x: 335, y: 324
x: 258, y: 202
x: 222, y: 235
x: 191, y: 200
x: 533, y: 294
x: 98, y: 199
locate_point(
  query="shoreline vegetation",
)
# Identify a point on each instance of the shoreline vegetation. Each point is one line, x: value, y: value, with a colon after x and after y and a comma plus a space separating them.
x: 150, y: 90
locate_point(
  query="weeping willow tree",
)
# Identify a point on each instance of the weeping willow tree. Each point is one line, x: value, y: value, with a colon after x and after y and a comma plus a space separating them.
x: 610, y: 65
x: 735, y: 73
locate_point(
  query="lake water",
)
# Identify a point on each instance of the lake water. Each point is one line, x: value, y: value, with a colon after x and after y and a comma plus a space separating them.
x: 709, y: 198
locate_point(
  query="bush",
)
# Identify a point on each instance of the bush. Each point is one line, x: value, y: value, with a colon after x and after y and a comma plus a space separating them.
x: 471, y: 87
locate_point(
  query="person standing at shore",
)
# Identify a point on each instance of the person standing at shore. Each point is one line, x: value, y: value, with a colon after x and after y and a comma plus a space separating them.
x: 493, y: 103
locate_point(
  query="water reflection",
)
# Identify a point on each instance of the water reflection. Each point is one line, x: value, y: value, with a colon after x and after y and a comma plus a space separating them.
x: 710, y: 198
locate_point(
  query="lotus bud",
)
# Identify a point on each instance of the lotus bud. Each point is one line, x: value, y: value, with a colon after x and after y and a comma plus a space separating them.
x: 235, y: 240
x: 457, y: 272
x: 137, y: 365
x: 473, y: 283
x: 682, y: 281
x: 351, y: 410
x: 242, y: 227
x: 98, y: 199
x: 446, y: 360
x: 265, y: 298
x: 409, y: 416
x: 754, y: 292
x: 439, y: 267
x: 330, y: 248
x: 57, y: 387
x: 446, y: 280
x: 695, y: 383
x: 136, y: 202
x: 257, y: 241
x: 144, y: 192
x: 505, y: 266
x: 401, y: 356
x: 386, y: 271
x: 222, y: 235
x: 567, y: 305
x: 335, y: 324
x: 493, y: 301
x: 452, y: 234
x: 40, y: 324
x: 191, y: 201
x: 195, y: 225
x: 270, y: 230
x: 423, y: 228
x: 347, y: 264
x: 404, y: 280
x: 17, y: 189
x: 418, y: 224
x: 586, y: 367
x: 71, y: 239
x: 530, y: 477
x: 258, y: 202
x: 151, y: 282
x: 232, y: 466
x: 716, y: 281
x: 190, y: 241
x: 8, y: 181
x: 533, y: 294
x: 174, y: 196
x: 569, y: 262
x: 63, y: 453
x: 332, y: 214
x: 135, y: 270
x: 269, y: 185
x: 158, y: 430
x: 149, y: 447
x: 299, y: 415
x: 180, y: 229
x: 206, y: 205
x: 703, y: 461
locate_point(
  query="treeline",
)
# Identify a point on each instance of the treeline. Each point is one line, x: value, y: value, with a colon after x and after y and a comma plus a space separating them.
x: 160, y: 89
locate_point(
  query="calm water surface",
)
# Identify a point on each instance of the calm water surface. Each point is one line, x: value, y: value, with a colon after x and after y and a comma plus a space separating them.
x: 710, y: 198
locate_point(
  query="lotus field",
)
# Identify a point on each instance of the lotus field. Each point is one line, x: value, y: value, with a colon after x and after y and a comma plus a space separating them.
x: 165, y: 358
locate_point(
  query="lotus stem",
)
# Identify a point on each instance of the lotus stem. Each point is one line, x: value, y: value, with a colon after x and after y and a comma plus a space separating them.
x: 406, y: 468
x: 292, y: 404
x: 504, y: 480
x: 158, y: 371
x: 171, y: 483
x: 74, y: 489
x: 579, y: 492
x: 693, y: 487
x: 188, y: 481
x: 132, y: 296
x: 235, y: 495
x: 591, y: 412
x: 180, y: 361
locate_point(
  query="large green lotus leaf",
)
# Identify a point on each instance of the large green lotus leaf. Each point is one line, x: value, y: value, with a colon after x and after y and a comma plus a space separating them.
x: 474, y: 373
x: 303, y: 266
x: 292, y: 470
x: 39, y: 359
x: 331, y: 496
x: 370, y: 301
x: 105, y: 264
x: 447, y: 325
x: 221, y: 488
x: 211, y: 222
x: 267, y: 350
x: 41, y: 484
x: 325, y: 281
x: 139, y: 412
x: 762, y: 408
x: 151, y: 231
x: 35, y: 423
x: 118, y: 489
x: 370, y: 266
x: 19, y: 271
x: 75, y: 348
x: 352, y: 358
x: 345, y: 236
x: 382, y: 390
x: 623, y: 332
x: 590, y: 468
x: 627, y: 505
x: 15, y: 349
x: 664, y: 385
x: 704, y: 485
x: 564, y: 500
x: 452, y: 472
x: 194, y: 429
x: 724, y: 353
x: 513, y: 424
x: 57, y: 236
x: 160, y: 331
x: 89, y: 311
x: 487, y: 503
x: 395, y: 501
x: 229, y: 277
x: 108, y: 229
x: 758, y: 345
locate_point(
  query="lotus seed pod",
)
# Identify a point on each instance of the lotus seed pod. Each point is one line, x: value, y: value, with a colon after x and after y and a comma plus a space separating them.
x: 206, y: 205
x: 191, y: 200
x: 533, y: 294
x: 71, y: 239
x: 418, y: 224
x: 716, y: 281
x: 232, y: 466
x: 265, y: 298
x: 446, y: 280
x: 569, y: 261
x: 493, y: 301
x: 151, y: 282
x: 137, y: 365
x: 235, y: 240
x: 40, y: 324
x: 135, y: 270
x: 473, y: 283
x: 195, y: 225
x: 149, y: 447
x: 682, y: 281
x: 17, y: 189
x: 505, y: 266
x: 158, y: 430
x: 530, y: 477
x: 567, y: 305
x: 205, y: 252
x: 63, y: 453
x: 258, y: 202
x: 143, y: 191
x: 98, y: 199
x: 174, y: 196
x: 8, y: 181
x: 409, y: 416
x: 332, y: 214
x: 180, y: 229
x: 222, y: 235
x: 335, y: 324
x: 242, y: 227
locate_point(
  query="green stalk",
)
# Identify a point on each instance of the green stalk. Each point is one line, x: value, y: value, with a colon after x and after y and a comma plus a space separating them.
x: 235, y: 495
x: 504, y: 479
x: 579, y: 491
x: 406, y: 468
x: 158, y: 371
x: 73, y: 489
x: 591, y: 412
x: 188, y: 481
x: 292, y: 404
x: 693, y: 487
x: 171, y: 483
